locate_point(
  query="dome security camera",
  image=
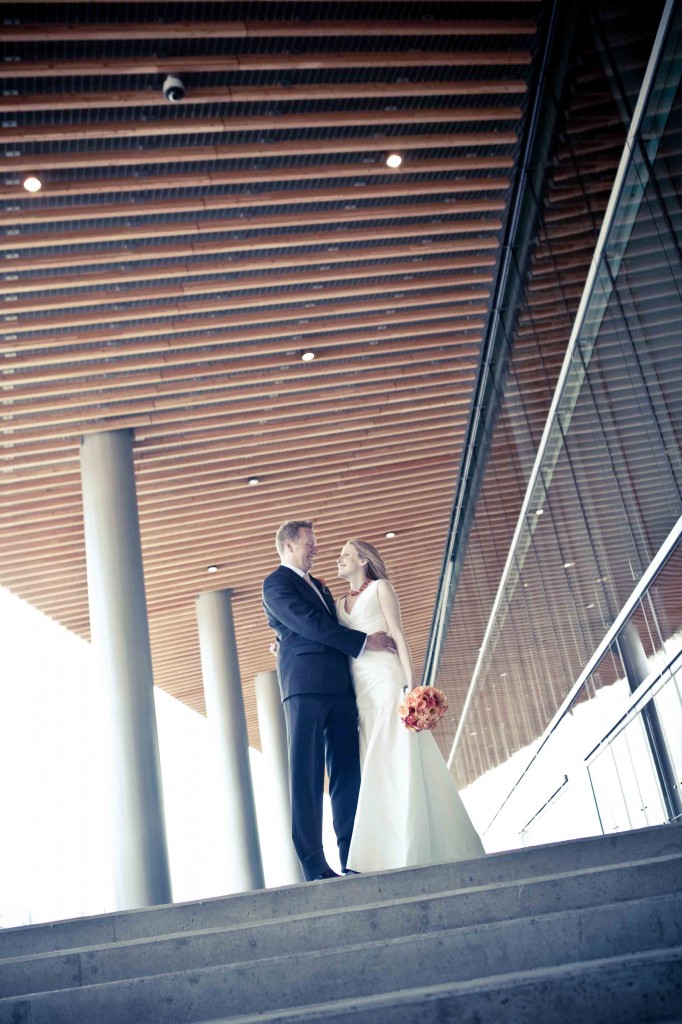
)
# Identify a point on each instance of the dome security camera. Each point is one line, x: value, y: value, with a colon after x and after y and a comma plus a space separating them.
x: 173, y: 89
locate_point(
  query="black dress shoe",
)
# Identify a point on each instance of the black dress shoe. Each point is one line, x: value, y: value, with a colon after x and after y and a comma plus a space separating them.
x: 349, y: 871
x: 325, y: 874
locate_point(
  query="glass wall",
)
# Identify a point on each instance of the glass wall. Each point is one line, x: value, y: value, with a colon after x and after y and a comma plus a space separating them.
x: 604, y: 496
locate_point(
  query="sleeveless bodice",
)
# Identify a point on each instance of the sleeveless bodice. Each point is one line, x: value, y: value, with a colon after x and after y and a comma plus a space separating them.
x: 366, y: 613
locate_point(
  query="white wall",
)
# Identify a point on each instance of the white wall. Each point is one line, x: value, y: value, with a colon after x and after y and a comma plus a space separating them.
x: 55, y: 849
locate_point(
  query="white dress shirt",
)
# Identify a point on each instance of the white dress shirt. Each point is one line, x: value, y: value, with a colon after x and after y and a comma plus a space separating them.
x: 306, y: 577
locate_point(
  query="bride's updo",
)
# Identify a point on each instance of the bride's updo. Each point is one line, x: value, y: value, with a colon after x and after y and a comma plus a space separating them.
x: 375, y: 568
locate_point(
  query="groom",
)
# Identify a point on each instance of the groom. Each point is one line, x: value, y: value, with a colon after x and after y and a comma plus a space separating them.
x: 319, y: 705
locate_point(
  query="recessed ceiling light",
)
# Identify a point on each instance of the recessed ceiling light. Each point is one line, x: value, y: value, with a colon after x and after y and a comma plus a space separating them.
x: 307, y: 357
x: 253, y: 481
x: 590, y: 605
x: 394, y: 160
x: 212, y: 568
x: 32, y: 184
x: 390, y: 534
x: 539, y: 511
x: 567, y: 565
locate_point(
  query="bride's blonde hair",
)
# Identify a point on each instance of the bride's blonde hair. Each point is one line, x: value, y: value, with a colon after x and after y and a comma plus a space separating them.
x: 376, y: 570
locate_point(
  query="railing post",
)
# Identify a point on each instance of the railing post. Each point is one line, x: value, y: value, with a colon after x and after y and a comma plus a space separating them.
x: 637, y: 668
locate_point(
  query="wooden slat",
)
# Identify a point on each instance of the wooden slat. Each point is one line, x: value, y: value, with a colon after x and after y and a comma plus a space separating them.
x: 319, y: 298
x: 74, y: 362
x: 153, y: 156
x: 148, y: 387
x: 159, y: 428
x: 263, y: 29
x: 332, y: 120
x: 214, y: 225
x: 415, y: 58
x: 121, y: 98
x: 412, y: 275
x: 331, y: 240
x: 329, y: 318
x: 200, y: 417
x: 412, y: 253
x: 32, y: 214
x: 187, y: 178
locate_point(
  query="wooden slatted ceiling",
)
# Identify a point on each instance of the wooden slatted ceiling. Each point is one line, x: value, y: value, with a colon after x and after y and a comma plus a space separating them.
x: 179, y: 259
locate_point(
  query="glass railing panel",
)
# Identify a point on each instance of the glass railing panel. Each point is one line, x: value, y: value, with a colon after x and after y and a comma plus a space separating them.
x: 613, y: 757
x: 626, y: 791
x: 625, y: 772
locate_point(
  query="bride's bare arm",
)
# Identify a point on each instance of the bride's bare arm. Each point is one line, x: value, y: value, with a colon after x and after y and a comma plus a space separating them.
x: 390, y: 606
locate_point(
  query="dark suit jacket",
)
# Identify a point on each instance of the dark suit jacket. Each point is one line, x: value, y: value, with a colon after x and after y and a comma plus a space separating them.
x: 313, y: 647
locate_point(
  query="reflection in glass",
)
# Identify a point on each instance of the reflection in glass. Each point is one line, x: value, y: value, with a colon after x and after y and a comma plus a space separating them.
x: 606, y: 498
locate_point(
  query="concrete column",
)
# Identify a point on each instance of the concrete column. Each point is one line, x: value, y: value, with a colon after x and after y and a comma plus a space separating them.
x: 273, y: 735
x: 637, y: 668
x: 225, y: 712
x: 120, y: 638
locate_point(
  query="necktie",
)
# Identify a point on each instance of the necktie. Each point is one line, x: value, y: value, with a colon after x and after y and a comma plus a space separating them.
x: 310, y: 583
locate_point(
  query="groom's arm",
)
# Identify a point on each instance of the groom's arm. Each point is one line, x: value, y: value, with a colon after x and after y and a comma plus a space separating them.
x: 283, y: 603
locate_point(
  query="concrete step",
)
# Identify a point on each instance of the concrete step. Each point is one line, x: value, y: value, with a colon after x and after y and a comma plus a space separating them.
x: 357, y: 890
x: 628, y: 989
x: 328, y: 929
x: 365, y: 968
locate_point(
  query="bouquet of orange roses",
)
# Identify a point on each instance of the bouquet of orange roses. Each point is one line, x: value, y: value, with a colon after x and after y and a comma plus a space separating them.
x: 423, y: 708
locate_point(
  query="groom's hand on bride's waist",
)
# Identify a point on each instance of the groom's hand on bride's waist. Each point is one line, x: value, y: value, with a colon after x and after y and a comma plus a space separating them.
x: 379, y: 642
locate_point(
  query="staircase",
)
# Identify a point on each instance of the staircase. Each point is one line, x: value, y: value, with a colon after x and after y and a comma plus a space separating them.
x: 588, y: 931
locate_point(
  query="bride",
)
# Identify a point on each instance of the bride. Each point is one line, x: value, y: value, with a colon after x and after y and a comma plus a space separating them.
x: 409, y: 811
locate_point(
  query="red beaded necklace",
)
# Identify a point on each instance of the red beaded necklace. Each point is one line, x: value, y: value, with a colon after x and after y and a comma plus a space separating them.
x: 354, y: 593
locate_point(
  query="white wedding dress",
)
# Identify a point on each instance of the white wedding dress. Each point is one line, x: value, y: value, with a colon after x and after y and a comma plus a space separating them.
x: 409, y: 811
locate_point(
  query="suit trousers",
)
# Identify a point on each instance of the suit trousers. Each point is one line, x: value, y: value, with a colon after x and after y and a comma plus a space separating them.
x: 322, y: 729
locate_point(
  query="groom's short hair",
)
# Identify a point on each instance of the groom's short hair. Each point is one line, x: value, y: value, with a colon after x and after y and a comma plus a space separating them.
x: 289, y: 530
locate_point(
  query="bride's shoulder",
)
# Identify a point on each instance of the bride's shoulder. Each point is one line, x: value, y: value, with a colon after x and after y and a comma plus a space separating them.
x: 386, y: 592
